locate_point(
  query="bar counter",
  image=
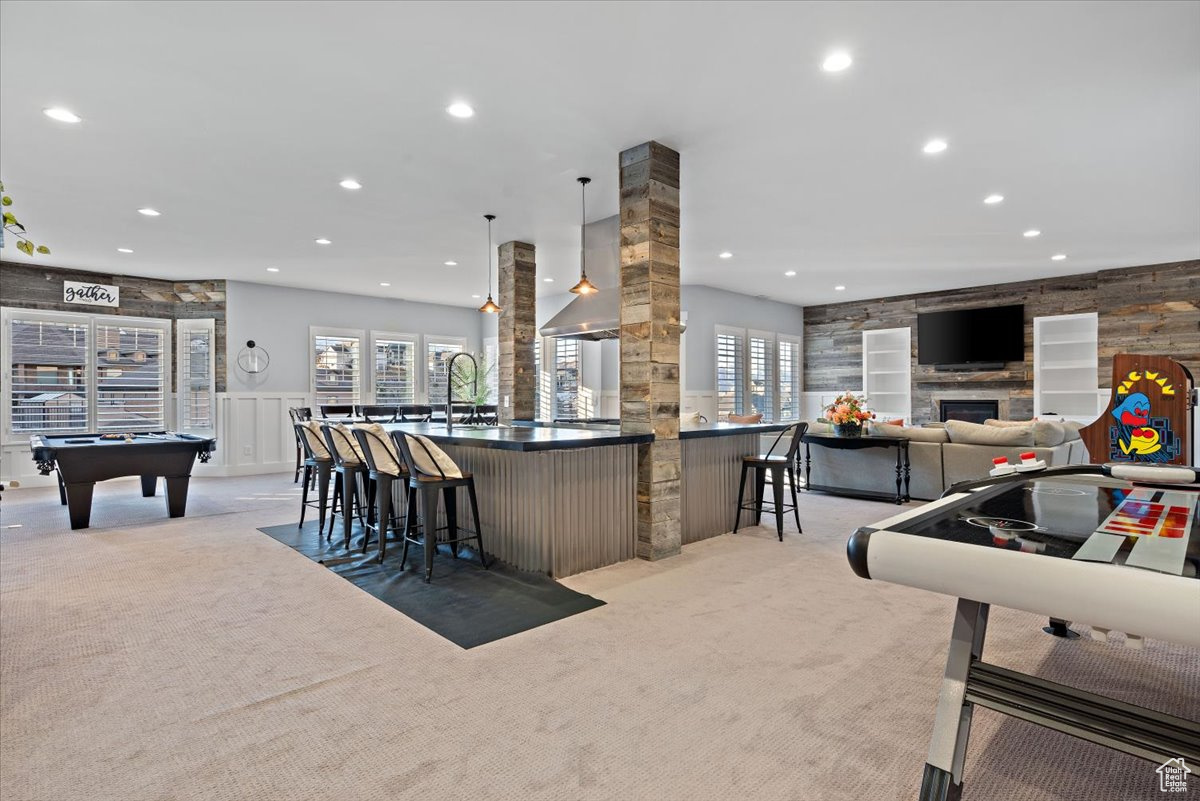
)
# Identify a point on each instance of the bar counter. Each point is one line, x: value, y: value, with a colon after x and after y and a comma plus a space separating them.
x: 562, y: 498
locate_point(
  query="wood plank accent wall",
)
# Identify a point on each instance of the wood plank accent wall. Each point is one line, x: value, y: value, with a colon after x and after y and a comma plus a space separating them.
x: 1153, y: 310
x: 30, y: 286
x: 650, y: 337
x: 517, y: 329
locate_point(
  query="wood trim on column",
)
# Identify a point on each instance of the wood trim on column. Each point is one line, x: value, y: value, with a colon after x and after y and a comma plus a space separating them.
x: 517, y: 330
x: 650, y: 337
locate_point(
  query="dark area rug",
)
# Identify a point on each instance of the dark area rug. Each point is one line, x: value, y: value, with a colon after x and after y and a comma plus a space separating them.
x: 464, y: 603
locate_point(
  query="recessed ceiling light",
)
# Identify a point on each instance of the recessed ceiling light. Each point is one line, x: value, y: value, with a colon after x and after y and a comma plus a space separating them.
x: 790, y: 273
x: 149, y: 212
x: 384, y: 283
x: 477, y: 297
x: 124, y: 250
x: 1031, y: 233
x: 935, y: 146
x: 450, y: 263
x: 992, y: 200
x: 272, y: 269
x: 548, y: 280
x: 839, y: 288
x: 725, y: 254
x: 836, y: 62
x: 1058, y: 257
x: 323, y: 241
x: 61, y: 114
x: 460, y: 110
x: 350, y: 183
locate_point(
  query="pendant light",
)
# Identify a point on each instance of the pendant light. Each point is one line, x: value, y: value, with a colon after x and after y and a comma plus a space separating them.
x: 489, y: 306
x: 584, y: 287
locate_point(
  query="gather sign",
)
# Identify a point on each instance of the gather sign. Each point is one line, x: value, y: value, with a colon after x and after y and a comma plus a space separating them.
x: 91, y: 294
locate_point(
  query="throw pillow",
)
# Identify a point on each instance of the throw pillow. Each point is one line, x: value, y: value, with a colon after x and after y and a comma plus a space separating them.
x: 315, y: 439
x: 383, y: 450
x: 745, y: 418
x: 429, y: 459
x: 976, y: 434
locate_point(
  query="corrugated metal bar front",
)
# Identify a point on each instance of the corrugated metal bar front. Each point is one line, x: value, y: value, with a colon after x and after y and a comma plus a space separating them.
x: 711, y: 470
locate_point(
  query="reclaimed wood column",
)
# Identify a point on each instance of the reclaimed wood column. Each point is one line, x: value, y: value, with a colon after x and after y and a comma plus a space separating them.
x: 650, y: 338
x: 517, y: 329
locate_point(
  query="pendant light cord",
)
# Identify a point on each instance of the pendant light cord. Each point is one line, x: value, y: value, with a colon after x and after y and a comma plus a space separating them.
x: 583, y: 182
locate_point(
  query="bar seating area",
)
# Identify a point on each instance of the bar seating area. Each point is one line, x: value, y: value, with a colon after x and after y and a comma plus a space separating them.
x: 673, y: 395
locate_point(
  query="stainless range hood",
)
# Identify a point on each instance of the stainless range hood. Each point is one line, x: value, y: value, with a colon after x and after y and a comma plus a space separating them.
x: 597, y: 316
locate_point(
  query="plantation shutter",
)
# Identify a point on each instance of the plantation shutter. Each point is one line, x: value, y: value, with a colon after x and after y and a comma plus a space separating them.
x: 194, y: 375
x: 395, y: 371
x: 336, y: 369
x: 762, y: 375
x: 130, y: 376
x: 566, y: 379
x: 50, y: 376
x: 789, y: 379
x: 438, y: 355
x: 730, y: 373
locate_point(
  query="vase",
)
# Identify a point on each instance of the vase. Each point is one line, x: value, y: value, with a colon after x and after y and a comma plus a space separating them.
x: 848, y: 430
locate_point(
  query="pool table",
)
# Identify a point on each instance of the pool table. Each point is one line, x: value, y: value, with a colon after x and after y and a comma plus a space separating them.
x: 83, y: 459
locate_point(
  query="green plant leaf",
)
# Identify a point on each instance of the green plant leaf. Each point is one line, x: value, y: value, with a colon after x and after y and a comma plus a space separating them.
x: 25, y: 246
x: 43, y: 250
x: 7, y: 201
x: 9, y: 219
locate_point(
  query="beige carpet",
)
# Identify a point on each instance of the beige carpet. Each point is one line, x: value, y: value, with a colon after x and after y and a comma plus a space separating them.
x: 199, y: 659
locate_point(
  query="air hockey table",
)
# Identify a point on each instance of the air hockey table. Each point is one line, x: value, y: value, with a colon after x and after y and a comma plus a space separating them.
x: 83, y: 459
x: 1115, y: 546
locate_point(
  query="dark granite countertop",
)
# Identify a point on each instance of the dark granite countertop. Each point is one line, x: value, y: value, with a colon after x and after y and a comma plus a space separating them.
x: 686, y: 431
x: 520, y: 438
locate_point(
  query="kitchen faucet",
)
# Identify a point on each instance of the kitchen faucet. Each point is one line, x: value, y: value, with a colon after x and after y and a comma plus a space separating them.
x: 450, y: 386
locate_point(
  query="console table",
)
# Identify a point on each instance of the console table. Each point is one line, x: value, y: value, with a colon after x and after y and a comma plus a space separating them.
x: 903, y: 468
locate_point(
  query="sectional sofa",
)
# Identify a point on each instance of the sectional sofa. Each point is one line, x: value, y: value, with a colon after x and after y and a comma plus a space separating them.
x: 942, y: 454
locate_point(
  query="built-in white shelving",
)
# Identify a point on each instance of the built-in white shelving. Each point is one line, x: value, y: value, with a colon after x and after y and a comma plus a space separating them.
x: 887, y: 372
x: 1065, y: 363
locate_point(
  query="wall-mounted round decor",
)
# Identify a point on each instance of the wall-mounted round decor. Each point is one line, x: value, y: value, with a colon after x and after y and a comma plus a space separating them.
x: 252, y: 359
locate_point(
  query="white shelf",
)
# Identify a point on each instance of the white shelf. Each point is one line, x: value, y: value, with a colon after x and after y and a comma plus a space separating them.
x: 887, y: 364
x: 1065, y: 359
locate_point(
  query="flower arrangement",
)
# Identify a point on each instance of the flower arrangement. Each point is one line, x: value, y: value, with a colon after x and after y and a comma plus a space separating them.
x: 848, y: 410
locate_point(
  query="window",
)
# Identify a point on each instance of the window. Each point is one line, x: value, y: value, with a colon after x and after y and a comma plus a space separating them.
x: 395, y: 370
x: 438, y: 351
x: 337, y: 377
x: 84, y: 372
x: 566, y: 379
x: 49, y: 363
x: 730, y: 372
x: 762, y: 375
x: 194, y: 386
x: 543, y: 391
x: 789, y: 378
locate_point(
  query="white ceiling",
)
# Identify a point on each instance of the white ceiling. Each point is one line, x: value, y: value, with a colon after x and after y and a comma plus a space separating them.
x: 237, y: 120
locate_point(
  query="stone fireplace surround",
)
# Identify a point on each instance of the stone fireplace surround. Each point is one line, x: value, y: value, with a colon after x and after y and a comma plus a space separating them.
x: 1001, y: 398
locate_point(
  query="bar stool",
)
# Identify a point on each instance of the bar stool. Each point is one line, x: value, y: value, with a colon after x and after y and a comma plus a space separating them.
x: 415, y: 413
x: 299, y: 414
x: 379, y: 414
x: 317, y: 463
x: 778, y: 467
x: 431, y: 470
x: 337, y: 410
x: 349, y: 465
x: 383, y: 470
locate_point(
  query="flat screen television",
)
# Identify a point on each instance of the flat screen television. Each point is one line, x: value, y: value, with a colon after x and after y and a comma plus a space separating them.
x: 967, y: 337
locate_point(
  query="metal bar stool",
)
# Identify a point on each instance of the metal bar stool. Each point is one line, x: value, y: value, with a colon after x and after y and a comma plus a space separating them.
x: 349, y: 466
x: 299, y: 414
x: 778, y: 467
x: 337, y: 410
x: 379, y: 414
x: 318, y: 463
x: 431, y: 470
x: 415, y: 413
x: 383, y: 470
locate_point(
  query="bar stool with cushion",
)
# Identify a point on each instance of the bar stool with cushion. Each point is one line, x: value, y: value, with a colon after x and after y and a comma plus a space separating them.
x: 384, y: 468
x: 299, y: 414
x: 430, y: 469
x: 318, y: 465
x: 379, y: 414
x: 348, y: 464
x: 778, y: 466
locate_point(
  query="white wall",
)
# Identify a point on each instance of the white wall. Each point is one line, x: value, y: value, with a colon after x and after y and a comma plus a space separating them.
x: 278, y: 320
x: 707, y: 308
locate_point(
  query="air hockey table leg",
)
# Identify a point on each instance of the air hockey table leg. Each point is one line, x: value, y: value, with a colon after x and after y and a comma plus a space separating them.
x: 1059, y: 628
x: 943, y: 777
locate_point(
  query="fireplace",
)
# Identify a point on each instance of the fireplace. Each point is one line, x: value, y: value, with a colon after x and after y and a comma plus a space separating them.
x: 971, y: 411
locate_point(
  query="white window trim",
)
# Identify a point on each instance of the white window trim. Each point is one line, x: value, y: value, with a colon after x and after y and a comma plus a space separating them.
x: 729, y: 330
x: 181, y: 326
x: 776, y: 339
x: 7, y: 313
x: 798, y: 368
x: 315, y: 331
x: 426, y: 341
x: 369, y: 392
x: 772, y: 340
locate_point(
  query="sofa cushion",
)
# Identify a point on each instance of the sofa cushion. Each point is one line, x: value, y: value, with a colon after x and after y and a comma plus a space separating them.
x: 1072, y: 429
x: 976, y: 434
x: 820, y: 427
x: 910, y: 433
x: 1046, y: 433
